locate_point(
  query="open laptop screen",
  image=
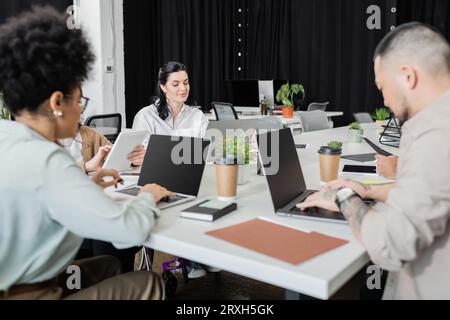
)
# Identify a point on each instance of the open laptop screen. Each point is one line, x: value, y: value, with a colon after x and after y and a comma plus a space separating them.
x: 287, y: 182
x: 175, y: 165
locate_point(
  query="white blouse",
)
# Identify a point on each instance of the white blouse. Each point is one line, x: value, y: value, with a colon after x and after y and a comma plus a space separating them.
x: 190, y: 122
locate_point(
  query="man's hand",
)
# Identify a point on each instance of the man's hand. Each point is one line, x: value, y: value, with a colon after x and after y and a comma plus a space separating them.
x: 98, y: 160
x: 136, y: 157
x: 157, y: 191
x: 361, y: 189
x: 99, y: 175
x: 325, y: 199
x: 387, y: 166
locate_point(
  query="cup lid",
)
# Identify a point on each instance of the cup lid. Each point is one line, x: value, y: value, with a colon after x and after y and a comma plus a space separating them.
x: 330, y: 151
x: 228, y: 160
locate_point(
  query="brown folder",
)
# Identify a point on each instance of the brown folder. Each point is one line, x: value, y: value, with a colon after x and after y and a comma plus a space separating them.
x: 283, y: 243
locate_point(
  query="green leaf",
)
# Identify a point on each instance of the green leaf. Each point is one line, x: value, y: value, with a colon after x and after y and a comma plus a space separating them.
x: 237, y: 147
x: 286, y: 93
x: 381, y: 114
x: 355, y: 126
x: 337, y: 145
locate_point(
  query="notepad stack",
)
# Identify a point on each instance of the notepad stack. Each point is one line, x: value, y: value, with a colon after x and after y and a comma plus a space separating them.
x: 209, y: 210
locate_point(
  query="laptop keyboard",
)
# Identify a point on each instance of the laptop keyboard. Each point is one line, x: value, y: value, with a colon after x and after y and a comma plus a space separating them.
x: 131, y: 191
x: 135, y: 191
x: 172, y: 199
x: 320, y: 213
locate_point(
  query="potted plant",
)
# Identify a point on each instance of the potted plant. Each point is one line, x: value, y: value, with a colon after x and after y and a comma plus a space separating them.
x: 381, y: 115
x: 336, y: 145
x: 4, y: 113
x: 355, y: 133
x: 286, y: 96
x: 329, y: 158
x: 232, y: 161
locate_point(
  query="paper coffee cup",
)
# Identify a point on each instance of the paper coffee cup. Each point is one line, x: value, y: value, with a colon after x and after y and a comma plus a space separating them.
x: 226, y: 181
x: 329, y: 163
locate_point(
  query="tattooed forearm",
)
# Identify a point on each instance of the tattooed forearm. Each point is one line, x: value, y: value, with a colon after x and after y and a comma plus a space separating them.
x: 329, y: 195
x: 354, y: 210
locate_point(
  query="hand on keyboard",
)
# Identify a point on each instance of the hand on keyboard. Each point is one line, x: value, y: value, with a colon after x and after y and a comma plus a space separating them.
x: 157, y: 191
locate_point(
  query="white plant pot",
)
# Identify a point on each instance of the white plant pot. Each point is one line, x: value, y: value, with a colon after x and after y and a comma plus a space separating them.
x: 243, y: 174
x: 380, y: 124
x: 355, y: 136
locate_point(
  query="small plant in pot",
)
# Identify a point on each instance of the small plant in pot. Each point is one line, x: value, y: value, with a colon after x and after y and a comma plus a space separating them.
x: 336, y: 145
x: 355, y: 133
x: 232, y: 156
x: 381, y: 115
x: 286, y: 96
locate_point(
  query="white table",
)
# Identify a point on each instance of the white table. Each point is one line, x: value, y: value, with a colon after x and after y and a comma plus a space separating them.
x: 293, y: 122
x: 319, y: 277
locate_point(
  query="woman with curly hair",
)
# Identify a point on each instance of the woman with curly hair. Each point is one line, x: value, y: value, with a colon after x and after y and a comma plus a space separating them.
x: 47, y: 204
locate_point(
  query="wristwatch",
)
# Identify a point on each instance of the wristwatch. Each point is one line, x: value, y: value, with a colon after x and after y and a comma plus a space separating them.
x: 343, y: 195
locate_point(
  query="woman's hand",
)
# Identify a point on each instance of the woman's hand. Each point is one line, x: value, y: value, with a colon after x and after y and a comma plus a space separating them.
x: 99, y: 175
x: 136, y: 157
x: 361, y: 189
x: 325, y: 199
x: 98, y: 160
x: 157, y: 191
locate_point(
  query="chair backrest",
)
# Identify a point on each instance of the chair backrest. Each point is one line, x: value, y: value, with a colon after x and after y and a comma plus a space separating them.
x: 267, y: 123
x: 363, y: 117
x: 318, y: 106
x: 110, y: 125
x: 313, y: 120
x: 224, y: 111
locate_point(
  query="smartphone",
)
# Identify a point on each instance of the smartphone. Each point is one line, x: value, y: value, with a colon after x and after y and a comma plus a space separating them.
x: 301, y: 146
x: 359, y: 169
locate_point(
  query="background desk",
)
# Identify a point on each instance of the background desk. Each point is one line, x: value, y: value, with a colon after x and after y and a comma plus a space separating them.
x: 293, y: 123
x: 320, y: 277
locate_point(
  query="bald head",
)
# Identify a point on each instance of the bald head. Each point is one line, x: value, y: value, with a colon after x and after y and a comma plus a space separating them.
x: 416, y: 44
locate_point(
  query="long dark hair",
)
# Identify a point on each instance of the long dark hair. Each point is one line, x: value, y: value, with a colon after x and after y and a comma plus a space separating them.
x: 159, y: 100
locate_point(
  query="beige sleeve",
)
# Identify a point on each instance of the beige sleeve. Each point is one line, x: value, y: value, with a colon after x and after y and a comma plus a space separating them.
x: 417, y: 209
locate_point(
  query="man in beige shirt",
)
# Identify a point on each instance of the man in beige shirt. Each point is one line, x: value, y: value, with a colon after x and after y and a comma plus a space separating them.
x: 407, y: 232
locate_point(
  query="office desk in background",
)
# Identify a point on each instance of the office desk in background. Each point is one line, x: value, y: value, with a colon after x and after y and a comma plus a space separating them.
x: 320, y: 277
x: 293, y: 123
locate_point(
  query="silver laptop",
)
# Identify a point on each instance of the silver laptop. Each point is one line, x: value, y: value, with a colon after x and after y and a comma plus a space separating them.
x: 287, y: 185
x: 126, y: 142
x: 182, y: 176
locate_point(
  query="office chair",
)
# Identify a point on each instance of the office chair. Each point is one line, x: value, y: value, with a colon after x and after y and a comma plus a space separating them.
x: 110, y: 125
x: 224, y: 111
x: 313, y: 120
x: 363, y: 117
x: 267, y: 123
x: 318, y: 106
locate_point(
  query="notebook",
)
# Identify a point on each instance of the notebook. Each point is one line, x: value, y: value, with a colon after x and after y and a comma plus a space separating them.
x: 209, y: 210
x: 277, y: 241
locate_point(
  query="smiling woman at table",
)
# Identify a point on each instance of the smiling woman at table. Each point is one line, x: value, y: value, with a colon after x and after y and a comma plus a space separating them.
x: 47, y: 204
x: 169, y: 114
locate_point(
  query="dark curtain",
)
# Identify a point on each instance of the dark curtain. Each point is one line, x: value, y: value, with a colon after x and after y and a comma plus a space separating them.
x: 323, y: 44
x: 434, y: 12
x: 197, y: 33
x: 10, y: 8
